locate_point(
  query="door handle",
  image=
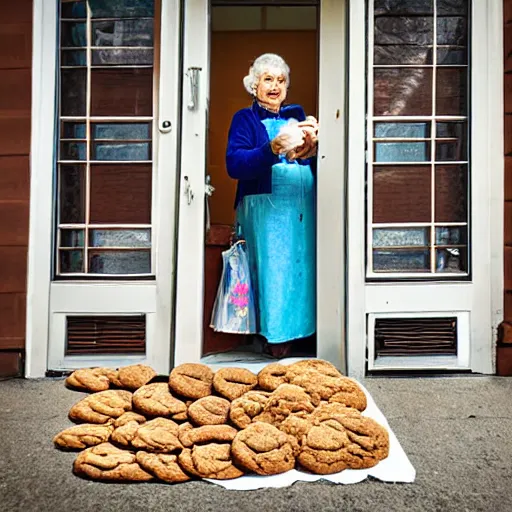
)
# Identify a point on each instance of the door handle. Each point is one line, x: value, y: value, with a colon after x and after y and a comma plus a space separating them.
x: 193, y: 78
x: 188, y: 191
x: 165, y: 126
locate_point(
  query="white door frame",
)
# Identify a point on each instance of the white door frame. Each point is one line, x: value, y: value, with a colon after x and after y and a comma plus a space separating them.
x: 482, y: 298
x: 330, y: 186
x: 48, y: 302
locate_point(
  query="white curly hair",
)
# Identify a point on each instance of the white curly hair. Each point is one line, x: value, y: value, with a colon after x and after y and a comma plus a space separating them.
x: 262, y: 64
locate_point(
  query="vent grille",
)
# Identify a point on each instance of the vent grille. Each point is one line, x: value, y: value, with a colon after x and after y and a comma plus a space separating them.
x: 106, y: 335
x: 415, y: 336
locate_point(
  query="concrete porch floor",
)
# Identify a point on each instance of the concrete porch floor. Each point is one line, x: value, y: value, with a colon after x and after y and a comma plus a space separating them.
x: 457, y: 432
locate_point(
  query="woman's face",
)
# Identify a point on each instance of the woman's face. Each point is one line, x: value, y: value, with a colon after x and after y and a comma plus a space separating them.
x: 271, y: 89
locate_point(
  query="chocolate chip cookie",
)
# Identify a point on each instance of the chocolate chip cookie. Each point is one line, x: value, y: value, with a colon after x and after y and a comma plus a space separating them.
x: 109, y: 463
x: 101, y: 407
x: 210, y: 410
x: 156, y: 400
x: 191, y: 380
x: 264, y: 449
x: 232, y: 383
x: 245, y: 408
x: 79, y: 437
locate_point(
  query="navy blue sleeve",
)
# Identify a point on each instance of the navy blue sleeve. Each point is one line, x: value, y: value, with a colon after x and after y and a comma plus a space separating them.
x: 248, y: 156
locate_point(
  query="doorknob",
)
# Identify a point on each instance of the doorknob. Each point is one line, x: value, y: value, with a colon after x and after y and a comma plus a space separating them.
x: 165, y: 126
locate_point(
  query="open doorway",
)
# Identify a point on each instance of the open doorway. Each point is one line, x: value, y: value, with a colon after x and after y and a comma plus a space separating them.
x: 239, y: 34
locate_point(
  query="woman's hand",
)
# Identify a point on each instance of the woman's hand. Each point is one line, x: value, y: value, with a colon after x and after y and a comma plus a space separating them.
x: 309, y: 148
x: 283, y: 143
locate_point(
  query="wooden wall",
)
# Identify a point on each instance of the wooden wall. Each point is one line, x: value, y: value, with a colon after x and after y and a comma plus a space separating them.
x: 15, y: 92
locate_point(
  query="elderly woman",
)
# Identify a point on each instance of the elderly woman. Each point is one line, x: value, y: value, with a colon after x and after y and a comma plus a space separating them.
x: 271, y: 150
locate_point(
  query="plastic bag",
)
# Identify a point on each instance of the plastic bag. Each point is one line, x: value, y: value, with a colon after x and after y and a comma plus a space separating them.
x: 234, y: 310
x: 294, y: 134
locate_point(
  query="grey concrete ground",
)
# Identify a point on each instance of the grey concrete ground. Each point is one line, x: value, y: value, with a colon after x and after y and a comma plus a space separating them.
x: 457, y: 432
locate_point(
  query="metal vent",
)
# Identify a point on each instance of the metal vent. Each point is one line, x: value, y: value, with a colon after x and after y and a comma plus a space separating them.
x: 105, y: 335
x: 415, y: 336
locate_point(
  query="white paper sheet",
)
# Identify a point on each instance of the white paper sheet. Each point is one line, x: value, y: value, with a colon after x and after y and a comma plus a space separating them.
x: 395, y: 468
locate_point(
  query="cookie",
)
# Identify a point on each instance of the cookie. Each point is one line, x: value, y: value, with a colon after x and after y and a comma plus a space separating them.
x: 158, y: 435
x: 108, y: 463
x: 272, y: 376
x: 245, y: 408
x: 285, y: 400
x: 210, y: 410
x: 296, y: 426
x: 212, y: 460
x: 135, y: 376
x: 264, y: 449
x: 125, y: 434
x: 113, y: 377
x: 156, y: 400
x: 312, y: 365
x: 127, y: 417
x: 189, y: 436
x: 163, y: 466
x: 350, y: 394
x: 327, y: 410
x: 101, y: 407
x: 82, y: 436
x: 343, y: 442
x: 232, y: 383
x: 89, y: 379
x: 191, y: 380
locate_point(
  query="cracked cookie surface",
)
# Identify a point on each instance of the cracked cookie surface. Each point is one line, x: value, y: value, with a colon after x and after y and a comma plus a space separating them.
x: 264, y: 449
x: 101, y: 407
x: 163, y: 466
x: 245, y: 408
x: 156, y: 400
x: 82, y: 436
x: 191, y: 380
x: 210, y: 410
x: 135, y: 376
x: 272, y: 376
x: 158, y: 435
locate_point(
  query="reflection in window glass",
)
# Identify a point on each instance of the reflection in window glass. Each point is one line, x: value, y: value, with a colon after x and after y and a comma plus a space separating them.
x: 105, y: 137
x: 418, y: 169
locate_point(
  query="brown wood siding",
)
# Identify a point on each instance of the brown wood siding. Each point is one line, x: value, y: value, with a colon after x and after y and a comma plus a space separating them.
x: 507, y: 39
x: 15, y: 92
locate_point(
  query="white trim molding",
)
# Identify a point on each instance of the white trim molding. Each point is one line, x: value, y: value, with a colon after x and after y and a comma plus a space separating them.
x: 42, y: 146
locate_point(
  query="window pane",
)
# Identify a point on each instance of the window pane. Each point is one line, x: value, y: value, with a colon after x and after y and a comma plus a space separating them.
x: 72, y: 238
x: 401, y: 194
x: 71, y: 262
x: 120, y: 238
x: 120, y: 262
x: 453, y: 260
x: 122, y: 92
x: 403, y: 92
x: 452, y: 31
x: 122, y: 131
x: 415, y: 30
x: 446, y: 56
x: 120, y: 194
x: 121, y: 8
x: 451, y: 92
x: 73, y: 9
x: 401, y: 237
x: 402, y: 151
x: 72, y: 194
x: 401, y: 261
x: 122, y: 57
x: 123, y: 33
x: 119, y: 151
x: 448, y: 235
x: 451, y: 193
x: 452, y: 7
x: 73, y: 58
x: 402, y: 130
x: 403, y: 7
x: 73, y: 92
x: 73, y: 151
x: 73, y: 130
x: 72, y: 34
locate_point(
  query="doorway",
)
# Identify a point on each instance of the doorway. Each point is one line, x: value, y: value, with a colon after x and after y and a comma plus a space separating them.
x: 238, y: 35
x: 207, y: 107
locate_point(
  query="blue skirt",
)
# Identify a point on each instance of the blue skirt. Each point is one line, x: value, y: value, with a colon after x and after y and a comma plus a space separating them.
x: 279, y: 229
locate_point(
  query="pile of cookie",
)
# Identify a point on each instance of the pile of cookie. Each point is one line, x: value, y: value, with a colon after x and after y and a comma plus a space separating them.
x: 198, y: 423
